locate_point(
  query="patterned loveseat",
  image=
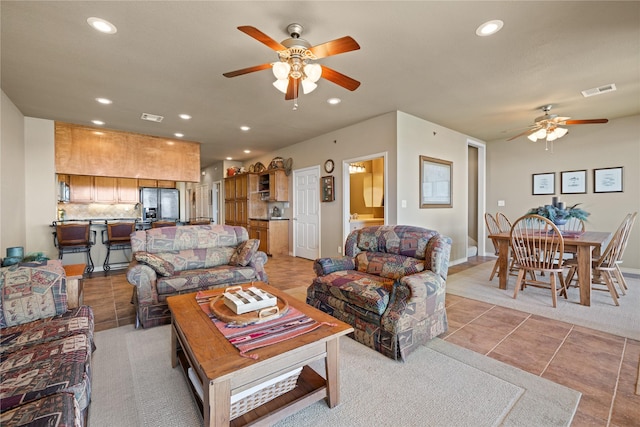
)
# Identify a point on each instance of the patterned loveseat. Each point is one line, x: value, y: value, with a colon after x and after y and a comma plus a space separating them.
x: 390, y: 286
x: 45, y: 349
x: 175, y: 260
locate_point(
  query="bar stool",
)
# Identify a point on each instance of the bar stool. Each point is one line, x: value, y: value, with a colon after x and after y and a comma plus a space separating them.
x: 200, y: 221
x: 118, y: 237
x: 74, y: 237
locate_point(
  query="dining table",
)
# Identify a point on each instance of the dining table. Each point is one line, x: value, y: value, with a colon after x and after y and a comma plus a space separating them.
x: 586, y: 246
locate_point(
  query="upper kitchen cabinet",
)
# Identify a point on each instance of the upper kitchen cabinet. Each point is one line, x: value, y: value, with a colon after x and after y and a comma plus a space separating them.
x: 156, y: 183
x: 274, y: 186
x: 105, y: 189
x: 83, y: 150
x: 80, y: 189
x: 128, y: 191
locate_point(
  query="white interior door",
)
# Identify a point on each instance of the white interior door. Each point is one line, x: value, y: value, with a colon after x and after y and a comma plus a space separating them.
x: 306, y: 213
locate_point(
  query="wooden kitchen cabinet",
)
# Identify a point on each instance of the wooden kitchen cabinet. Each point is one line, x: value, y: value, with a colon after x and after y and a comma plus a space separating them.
x: 274, y: 186
x: 128, y: 190
x: 105, y: 189
x: 166, y: 184
x: 242, y: 200
x: 80, y: 189
x: 273, y: 235
x: 155, y: 183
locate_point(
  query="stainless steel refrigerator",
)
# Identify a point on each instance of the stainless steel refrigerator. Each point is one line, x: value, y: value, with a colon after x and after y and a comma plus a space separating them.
x: 160, y: 204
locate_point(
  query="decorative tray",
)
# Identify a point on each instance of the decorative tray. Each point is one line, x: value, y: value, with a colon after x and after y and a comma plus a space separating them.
x: 227, y: 315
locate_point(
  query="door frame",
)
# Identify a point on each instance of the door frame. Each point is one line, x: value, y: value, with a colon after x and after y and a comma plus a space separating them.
x: 482, y: 195
x: 346, y: 188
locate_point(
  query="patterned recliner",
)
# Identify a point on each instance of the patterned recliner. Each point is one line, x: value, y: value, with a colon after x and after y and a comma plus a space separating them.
x: 390, y: 286
x: 176, y: 260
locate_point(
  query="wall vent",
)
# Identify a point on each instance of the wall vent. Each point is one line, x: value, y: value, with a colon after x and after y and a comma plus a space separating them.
x: 151, y: 117
x: 599, y: 90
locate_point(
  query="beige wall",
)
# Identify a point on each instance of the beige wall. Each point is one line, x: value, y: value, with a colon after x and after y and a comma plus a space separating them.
x: 617, y: 143
x: 12, y: 178
x: 371, y: 136
x: 418, y: 137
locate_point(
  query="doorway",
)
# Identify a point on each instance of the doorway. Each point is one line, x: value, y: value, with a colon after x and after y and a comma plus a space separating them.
x: 365, y: 191
x: 306, y: 213
x: 476, y: 175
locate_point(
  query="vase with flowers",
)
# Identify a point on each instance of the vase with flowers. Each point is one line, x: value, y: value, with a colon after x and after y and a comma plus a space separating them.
x: 559, y: 214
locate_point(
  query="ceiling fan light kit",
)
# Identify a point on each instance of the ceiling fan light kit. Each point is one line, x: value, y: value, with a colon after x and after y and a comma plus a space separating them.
x: 547, y: 127
x: 295, y: 67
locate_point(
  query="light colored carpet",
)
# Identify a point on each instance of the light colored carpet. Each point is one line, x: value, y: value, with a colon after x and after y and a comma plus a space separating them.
x: 602, y: 314
x: 440, y: 385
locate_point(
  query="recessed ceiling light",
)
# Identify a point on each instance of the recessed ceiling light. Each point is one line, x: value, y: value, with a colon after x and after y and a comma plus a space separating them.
x: 489, y: 28
x: 185, y: 116
x: 104, y: 101
x: 229, y: 158
x: 247, y: 151
x: 102, y: 25
x: 97, y: 122
x: 179, y: 135
x: 334, y: 101
x: 245, y: 128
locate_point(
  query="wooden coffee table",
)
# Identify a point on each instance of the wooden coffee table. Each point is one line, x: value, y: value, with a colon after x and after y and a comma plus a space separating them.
x: 197, y: 343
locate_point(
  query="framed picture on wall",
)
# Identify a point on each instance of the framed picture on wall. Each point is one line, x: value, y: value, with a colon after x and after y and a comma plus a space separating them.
x: 327, y: 190
x: 607, y: 180
x: 544, y: 183
x: 573, y: 182
x: 435, y: 183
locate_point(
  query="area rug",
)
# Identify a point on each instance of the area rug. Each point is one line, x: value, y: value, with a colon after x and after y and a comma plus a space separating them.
x: 602, y: 314
x: 439, y: 385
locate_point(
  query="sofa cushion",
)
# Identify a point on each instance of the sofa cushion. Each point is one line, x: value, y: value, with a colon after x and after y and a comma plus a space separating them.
x: 193, y: 259
x: 31, y: 291
x: 389, y: 266
x: 161, y: 266
x: 244, y: 252
x: 60, y: 410
x: 168, y: 239
x: 193, y: 280
x: 367, y: 291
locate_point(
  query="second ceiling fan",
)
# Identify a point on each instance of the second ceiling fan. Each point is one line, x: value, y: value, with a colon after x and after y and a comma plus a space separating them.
x: 296, y: 66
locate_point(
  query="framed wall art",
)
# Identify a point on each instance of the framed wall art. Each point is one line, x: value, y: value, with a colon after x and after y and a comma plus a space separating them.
x: 573, y: 182
x: 607, y: 180
x: 327, y: 189
x: 544, y: 183
x: 435, y: 183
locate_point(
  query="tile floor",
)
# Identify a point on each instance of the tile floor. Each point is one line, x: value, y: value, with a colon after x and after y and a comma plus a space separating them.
x: 603, y: 367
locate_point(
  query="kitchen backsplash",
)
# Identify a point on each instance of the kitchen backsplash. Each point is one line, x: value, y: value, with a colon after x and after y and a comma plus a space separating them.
x: 99, y: 211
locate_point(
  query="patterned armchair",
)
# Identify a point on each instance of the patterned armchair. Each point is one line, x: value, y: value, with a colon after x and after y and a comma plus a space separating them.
x: 390, y: 286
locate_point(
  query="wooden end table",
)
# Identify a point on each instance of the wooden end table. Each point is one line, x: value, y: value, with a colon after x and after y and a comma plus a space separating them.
x: 196, y: 343
x: 74, y: 274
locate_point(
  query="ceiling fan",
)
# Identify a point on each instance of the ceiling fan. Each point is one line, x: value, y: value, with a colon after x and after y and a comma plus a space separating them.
x: 295, y: 66
x: 548, y: 125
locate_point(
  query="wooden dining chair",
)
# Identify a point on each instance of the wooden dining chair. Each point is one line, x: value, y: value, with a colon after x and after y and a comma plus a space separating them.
x: 503, y: 222
x: 572, y: 226
x: 538, y: 246
x: 605, y: 272
x: 631, y: 219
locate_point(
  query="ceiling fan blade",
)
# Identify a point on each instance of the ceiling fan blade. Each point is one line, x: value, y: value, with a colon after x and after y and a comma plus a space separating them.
x: 585, y: 122
x: 292, y: 89
x: 526, y: 132
x: 247, y: 70
x: 339, y: 78
x: 261, y: 37
x: 335, y: 47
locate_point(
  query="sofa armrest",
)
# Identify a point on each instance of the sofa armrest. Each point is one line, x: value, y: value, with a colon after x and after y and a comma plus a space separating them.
x: 437, y: 255
x: 422, y: 284
x: 144, y: 278
x: 324, y: 266
x: 258, y: 261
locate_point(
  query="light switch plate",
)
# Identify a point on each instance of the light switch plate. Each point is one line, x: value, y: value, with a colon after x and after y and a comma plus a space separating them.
x: 500, y: 202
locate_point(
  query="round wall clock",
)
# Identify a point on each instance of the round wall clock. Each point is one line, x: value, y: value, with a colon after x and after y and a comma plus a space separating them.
x: 328, y: 166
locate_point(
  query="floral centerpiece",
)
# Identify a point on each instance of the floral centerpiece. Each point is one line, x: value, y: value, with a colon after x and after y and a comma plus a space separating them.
x: 559, y: 214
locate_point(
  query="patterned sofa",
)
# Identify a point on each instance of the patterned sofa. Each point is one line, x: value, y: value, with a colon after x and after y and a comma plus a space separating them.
x: 175, y: 260
x: 390, y: 286
x: 45, y: 349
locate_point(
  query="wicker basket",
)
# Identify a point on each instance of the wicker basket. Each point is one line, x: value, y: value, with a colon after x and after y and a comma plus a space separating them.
x: 250, y: 399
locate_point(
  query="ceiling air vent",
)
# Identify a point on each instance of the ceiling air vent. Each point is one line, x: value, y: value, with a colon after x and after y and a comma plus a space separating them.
x: 599, y: 90
x: 151, y: 117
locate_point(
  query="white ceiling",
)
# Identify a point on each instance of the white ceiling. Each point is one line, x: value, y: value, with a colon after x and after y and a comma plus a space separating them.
x: 422, y: 58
